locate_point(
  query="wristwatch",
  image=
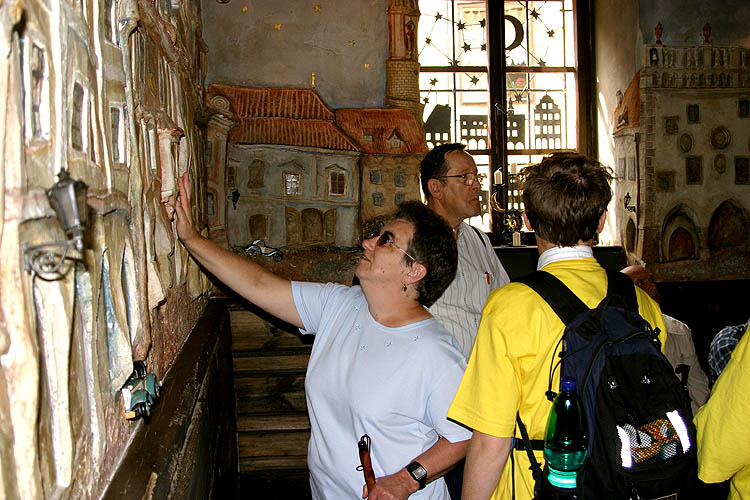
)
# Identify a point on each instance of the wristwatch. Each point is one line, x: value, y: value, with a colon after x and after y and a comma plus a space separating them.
x: 418, y: 473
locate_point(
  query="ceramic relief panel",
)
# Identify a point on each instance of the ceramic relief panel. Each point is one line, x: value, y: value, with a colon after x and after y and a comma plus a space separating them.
x: 127, y: 131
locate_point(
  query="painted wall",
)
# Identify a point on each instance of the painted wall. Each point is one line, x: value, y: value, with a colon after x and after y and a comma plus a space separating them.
x: 257, y: 43
x: 616, y: 51
x: 683, y: 21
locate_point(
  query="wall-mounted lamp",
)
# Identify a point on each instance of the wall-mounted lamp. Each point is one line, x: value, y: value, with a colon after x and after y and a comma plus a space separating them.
x: 628, y: 206
x: 68, y: 197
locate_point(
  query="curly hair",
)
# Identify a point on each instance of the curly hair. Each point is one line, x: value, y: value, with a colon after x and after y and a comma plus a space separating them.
x: 564, y: 197
x: 432, y: 245
x: 433, y: 164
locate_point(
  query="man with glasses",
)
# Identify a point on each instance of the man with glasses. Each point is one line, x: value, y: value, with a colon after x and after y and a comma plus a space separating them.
x: 451, y: 186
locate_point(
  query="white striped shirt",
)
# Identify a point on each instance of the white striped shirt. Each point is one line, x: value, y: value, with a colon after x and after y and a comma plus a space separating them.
x: 479, y: 272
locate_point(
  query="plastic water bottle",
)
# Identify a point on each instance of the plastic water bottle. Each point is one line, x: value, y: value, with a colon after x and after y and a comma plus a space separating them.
x: 565, y: 440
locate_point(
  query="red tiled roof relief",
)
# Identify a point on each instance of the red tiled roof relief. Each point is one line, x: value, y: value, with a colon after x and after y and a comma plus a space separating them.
x: 289, y: 117
x: 628, y: 113
x: 283, y: 131
x: 382, y: 124
x: 299, y: 104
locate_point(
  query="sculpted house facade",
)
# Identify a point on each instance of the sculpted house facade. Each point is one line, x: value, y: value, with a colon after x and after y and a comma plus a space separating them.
x: 291, y: 175
x: 110, y: 92
x: 681, y: 152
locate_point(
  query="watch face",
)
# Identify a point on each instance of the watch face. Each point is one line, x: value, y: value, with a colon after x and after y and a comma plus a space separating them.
x: 420, y: 472
x: 417, y: 471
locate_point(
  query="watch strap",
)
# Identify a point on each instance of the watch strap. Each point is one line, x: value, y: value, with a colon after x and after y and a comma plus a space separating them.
x: 418, y: 473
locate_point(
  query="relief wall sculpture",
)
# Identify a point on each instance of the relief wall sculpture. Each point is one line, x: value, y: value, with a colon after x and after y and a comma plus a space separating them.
x: 682, y: 150
x: 111, y: 92
x: 296, y: 174
x: 317, y: 135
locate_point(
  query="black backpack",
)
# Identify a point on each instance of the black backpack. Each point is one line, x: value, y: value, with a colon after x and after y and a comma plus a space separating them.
x: 632, y: 398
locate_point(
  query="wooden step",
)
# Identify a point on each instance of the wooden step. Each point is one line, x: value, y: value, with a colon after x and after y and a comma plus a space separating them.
x: 279, y: 361
x: 273, y: 443
x: 259, y: 384
x: 259, y: 394
x: 267, y: 422
x: 278, y: 404
x: 270, y: 360
x: 290, y: 462
x: 252, y: 331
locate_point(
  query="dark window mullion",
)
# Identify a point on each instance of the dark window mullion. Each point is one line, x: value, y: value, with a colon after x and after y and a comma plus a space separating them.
x: 497, y: 107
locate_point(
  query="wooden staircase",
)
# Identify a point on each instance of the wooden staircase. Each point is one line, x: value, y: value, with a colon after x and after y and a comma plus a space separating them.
x: 270, y: 358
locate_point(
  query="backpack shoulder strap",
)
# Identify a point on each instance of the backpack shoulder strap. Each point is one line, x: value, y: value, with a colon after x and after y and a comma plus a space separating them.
x: 621, y: 285
x: 559, y: 297
x: 529, y: 445
x: 479, y: 235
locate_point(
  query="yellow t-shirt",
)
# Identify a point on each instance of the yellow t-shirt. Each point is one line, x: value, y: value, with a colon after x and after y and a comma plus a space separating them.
x: 723, y: 425
x: 509, y: 367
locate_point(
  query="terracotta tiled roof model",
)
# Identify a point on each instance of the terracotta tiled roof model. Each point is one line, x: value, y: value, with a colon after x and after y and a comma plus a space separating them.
x: 291, y: 117
x: 383, y: 131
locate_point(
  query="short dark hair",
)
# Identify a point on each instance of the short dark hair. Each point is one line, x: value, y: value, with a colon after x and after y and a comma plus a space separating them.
x: 432, y: 245
x: 564, y: 197
x: 433, y: 164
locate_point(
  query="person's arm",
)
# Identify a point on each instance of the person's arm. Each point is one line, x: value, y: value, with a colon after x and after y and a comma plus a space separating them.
x: 485, y: 461
x: 253, y: 282
x: 436, y: 461
x: 723, y: 423
x: 697, y: 382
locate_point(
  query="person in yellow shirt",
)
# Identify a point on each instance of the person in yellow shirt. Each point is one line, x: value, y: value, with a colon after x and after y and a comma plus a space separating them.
x: 565, y: 199
x: 723, y: 425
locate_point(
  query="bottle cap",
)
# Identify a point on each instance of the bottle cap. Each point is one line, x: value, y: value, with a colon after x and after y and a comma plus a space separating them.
x: 568, y: 384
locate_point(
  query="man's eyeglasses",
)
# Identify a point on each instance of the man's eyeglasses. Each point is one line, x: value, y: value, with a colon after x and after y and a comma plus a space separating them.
x: 387, y: 239
x: 467, y: 179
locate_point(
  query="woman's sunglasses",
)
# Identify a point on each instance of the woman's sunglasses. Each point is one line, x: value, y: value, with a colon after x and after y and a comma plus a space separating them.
x: 386, y: 238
